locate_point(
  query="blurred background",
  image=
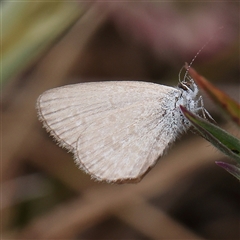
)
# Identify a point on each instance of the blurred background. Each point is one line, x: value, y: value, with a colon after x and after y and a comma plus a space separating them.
x: 49, y: 44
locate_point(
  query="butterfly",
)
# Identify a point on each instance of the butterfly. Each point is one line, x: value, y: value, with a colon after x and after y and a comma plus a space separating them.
x: 117, y: 130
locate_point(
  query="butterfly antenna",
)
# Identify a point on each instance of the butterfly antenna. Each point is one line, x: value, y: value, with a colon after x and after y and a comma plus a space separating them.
x: 209, y: 40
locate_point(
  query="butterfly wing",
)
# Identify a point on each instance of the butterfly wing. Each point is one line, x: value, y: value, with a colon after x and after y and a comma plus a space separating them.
x: 113, y: 128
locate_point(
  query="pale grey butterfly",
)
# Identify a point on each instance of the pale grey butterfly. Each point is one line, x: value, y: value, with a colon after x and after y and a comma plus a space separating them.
x: 117, y: 130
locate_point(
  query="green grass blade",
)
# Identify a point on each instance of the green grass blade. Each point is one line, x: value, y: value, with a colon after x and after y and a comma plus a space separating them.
x: 222, y: 140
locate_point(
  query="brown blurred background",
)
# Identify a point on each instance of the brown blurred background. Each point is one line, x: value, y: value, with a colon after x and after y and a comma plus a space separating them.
x: 186, y: 196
